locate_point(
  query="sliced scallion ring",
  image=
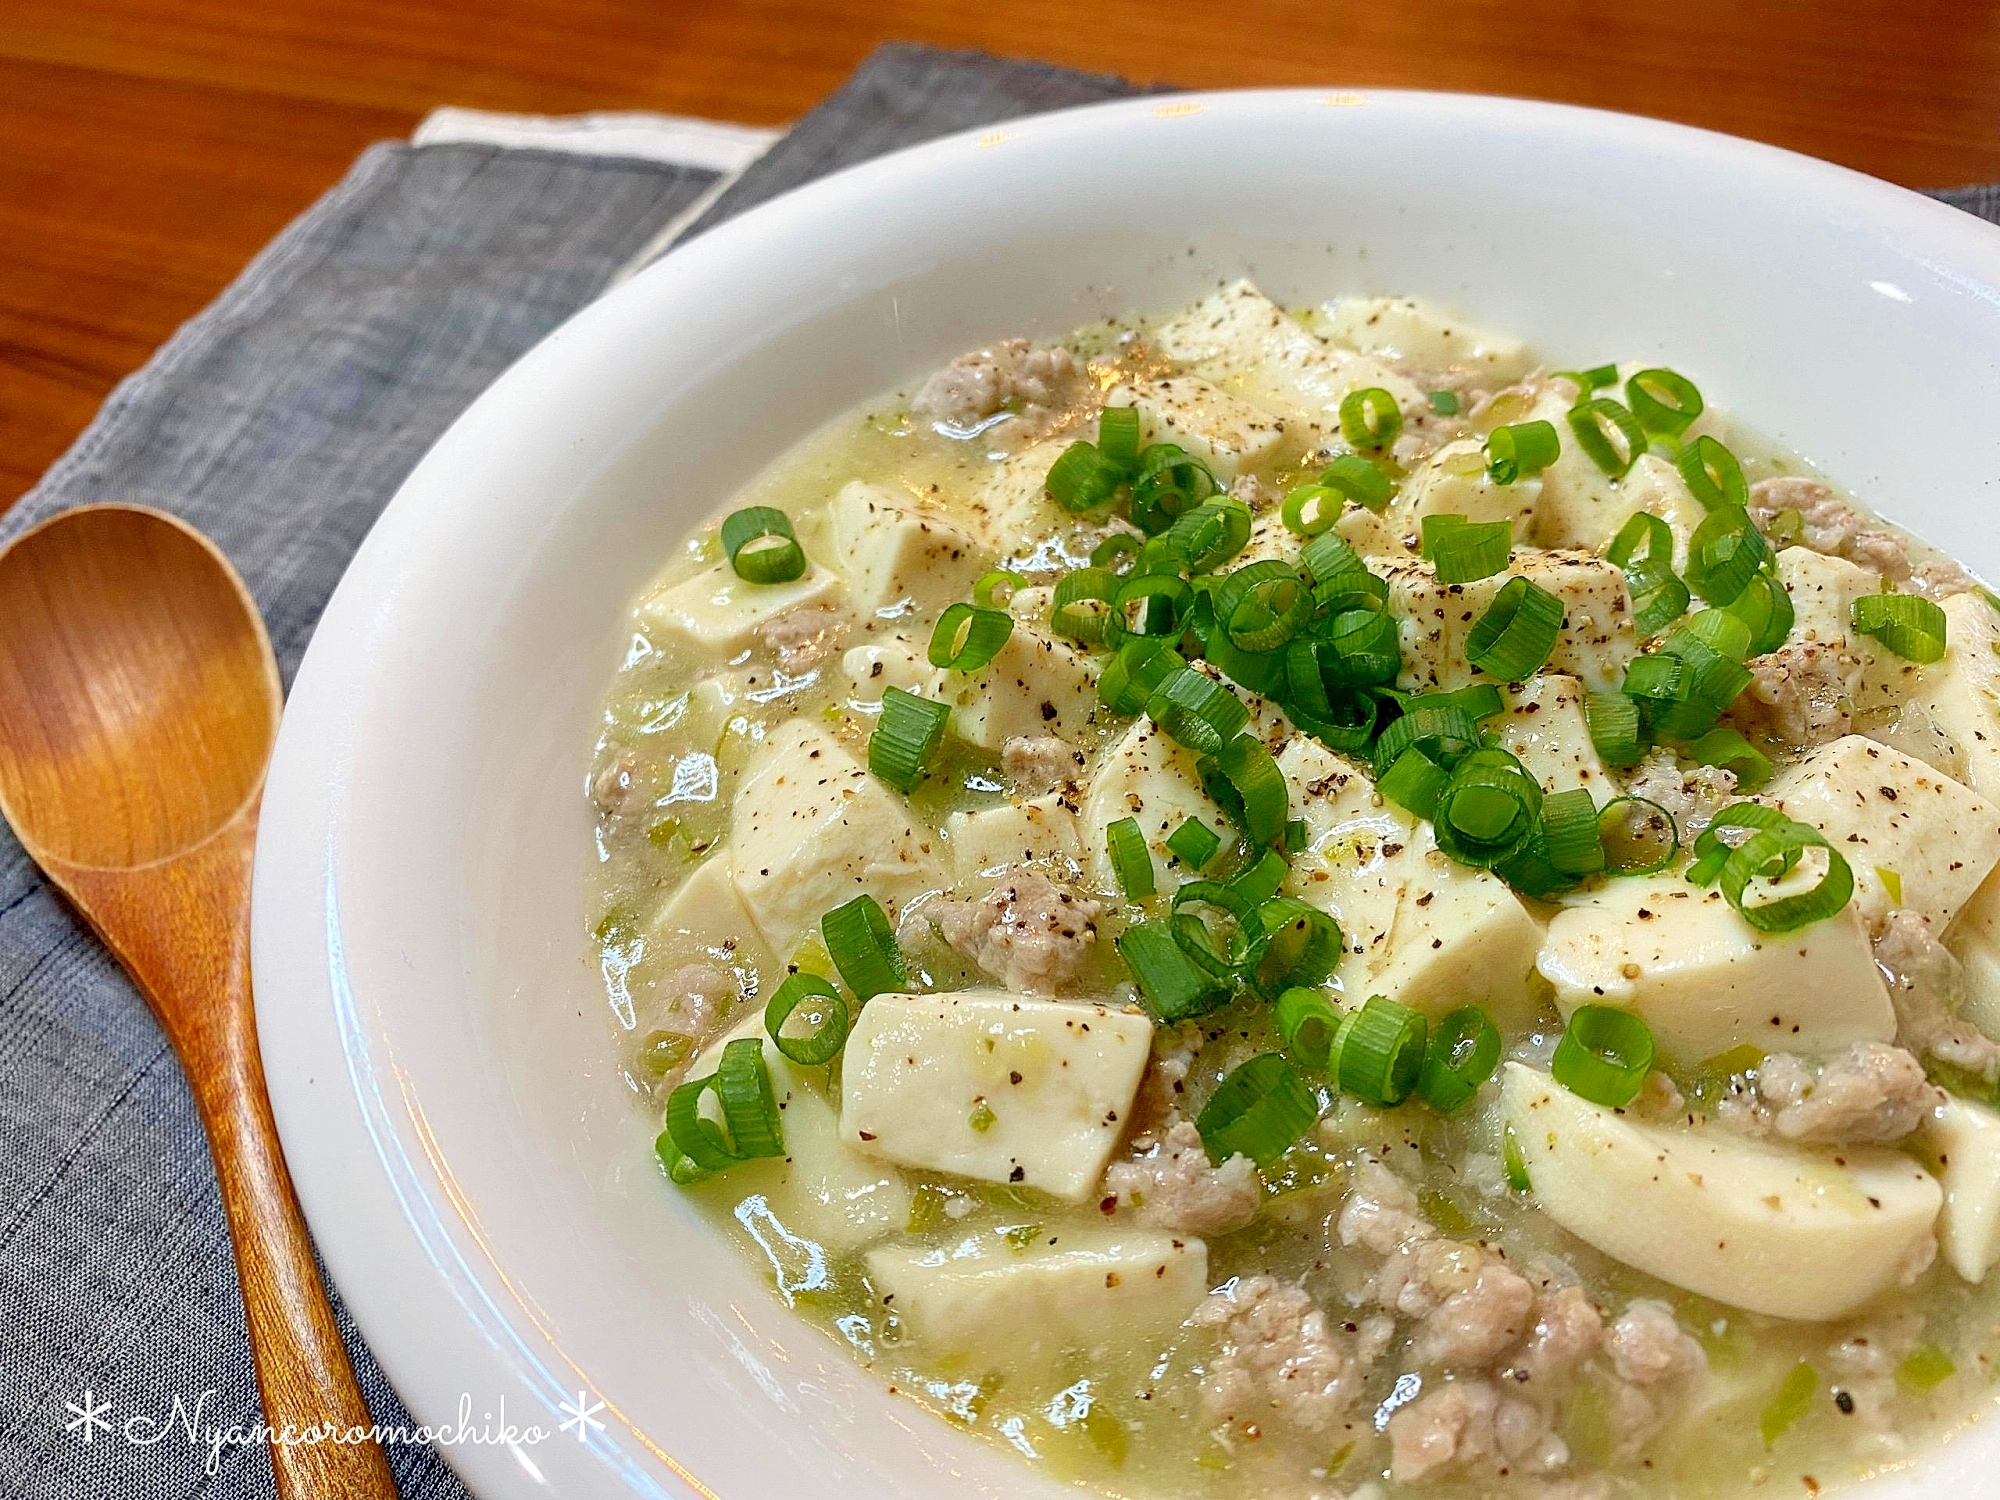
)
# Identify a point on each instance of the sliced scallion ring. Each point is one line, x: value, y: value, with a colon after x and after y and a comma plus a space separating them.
x: 1262, y: 612
x: 967, y: 637
x: 1197, y: 711
x: 1370, y: 417
x: 1381, y: 1053
x: 1307, y: 1021
x: 1770, y: 851
x: 1712, y: 474
x: 1728, y: 748
x: 863, y: 948
x: 1082, y: 604
x: 1131, y: 861
x: 1258, y: 1111
x: 1260, y: 879
x: 1569, y: 833
x: 823, y: 1043
x: 1170, y: 482
x: 760, y: 545
x: 1082, y: 478
x: 1520, y: 628
x: 1638, y: 836
x: 1600, y: 420
x: 1444, y: 403
x: 1118, y: 436
x: 1604, y: 1055
x: 1614, y: 728
x: 1463, y: 1052
x: 1466, y: 551
x: 741, y: 1084
x: 1135, y: 671
x: 1725, y: 553
x: 1664, y: 401
x: 1209, y: 535
x: 1194, y: 843
x: 1246, y: 781
x: 1908, y: 624
x: 1153, y: 604
x: 1712, y: 851
x: 1311, y: 509
x: 1521, y: 450
x: 1355, y: 478
x: 1443, y: 729
x: 998, y: 587
x: 1174, y: 988
x: 1644, y: 549
x: 1765, y: 606
x: 1301, y: 945
x: 1360, y: 648
x: 906, y: 737
x: 1488, y: 810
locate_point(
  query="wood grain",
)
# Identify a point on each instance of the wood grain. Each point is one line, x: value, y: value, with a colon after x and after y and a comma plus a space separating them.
x: 154, y: 146
x: 138, y: 704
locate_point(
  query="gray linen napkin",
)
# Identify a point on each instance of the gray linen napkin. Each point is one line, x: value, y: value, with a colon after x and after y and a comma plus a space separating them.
x: 280, y: 421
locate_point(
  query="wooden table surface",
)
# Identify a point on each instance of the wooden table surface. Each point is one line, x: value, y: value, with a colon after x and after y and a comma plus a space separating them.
x: 154, y: 145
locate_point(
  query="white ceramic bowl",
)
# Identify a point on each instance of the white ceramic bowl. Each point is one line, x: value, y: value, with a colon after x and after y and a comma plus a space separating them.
x: 435, y: 1032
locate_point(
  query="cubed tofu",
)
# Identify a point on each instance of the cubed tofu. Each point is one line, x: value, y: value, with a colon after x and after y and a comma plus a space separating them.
x: 820, y: 1190
x: 1144, y: 776
x: 1037, y: 684
x: 895, y: 551
x: 1093, y: 1294
x: 716, y: 614
x: 1418, y: 927
x: 1226, y: 434
x: 813, y: 829
x: 994, y: 1086
x: 1895, y: 820
x: 1778, y: 1230
x: 1411, y: 331
x: 994, y: 838
x: 1962, y: 1140
x: 1453, y: 482
x: 1582, y: 506
x: 1596, y: 643
x: 1961, y: 694
x: 897, y: 661
x: 1974, y: 939
x: 1012, y: 510
x: 1705, y: 981
x: 1545, y: 729
x: 705, y: 919
x: 1245, y: 343
x: 1823, y: 591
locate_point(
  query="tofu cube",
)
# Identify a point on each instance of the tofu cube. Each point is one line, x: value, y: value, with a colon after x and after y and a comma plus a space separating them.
x: 993, y: 1086
x: 1545, y: 728
x: 1582, y: 506
x: 1823, y: 591
x: 1887, y: 812
x: 1226, y: 434
x: 1411, y: 331
x: 899, y: 661
x: 895, y: 551
x: 1974, y: 939
x: 1596, y: 643
x: 814, y: 829
x: 1147, y: 777
x: 716, y: 614
x: 1961, y: 694
x: 1037, y: 684
x: 1962, y: 1140
x: 996, y: 838
x: 1089, y: 1293
x: 1453, y: 482
x: 1705, y: 981
x: 1012, y: 509
x: 705, y: 919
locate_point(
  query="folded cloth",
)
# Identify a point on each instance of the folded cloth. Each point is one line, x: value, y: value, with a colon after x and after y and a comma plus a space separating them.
x: 280, y: 421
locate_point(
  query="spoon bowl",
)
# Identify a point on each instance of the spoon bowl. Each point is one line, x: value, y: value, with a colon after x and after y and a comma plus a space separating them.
x: 139, y: 701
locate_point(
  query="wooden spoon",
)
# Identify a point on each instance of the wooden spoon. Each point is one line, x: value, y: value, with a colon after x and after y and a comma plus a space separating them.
x: 138, y: 702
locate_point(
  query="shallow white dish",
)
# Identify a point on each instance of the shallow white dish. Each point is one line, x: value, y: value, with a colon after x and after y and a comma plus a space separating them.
x: 433, y: 1027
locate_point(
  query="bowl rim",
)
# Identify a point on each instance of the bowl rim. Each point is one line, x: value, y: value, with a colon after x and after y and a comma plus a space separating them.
x: 381, y: 1219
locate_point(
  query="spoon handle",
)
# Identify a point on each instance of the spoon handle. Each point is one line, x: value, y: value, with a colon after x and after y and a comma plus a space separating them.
x: 181, y: 929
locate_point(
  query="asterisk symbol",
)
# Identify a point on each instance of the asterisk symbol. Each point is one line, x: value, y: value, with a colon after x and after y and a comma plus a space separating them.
x: 582, y: 1416
x: 86, y: 1417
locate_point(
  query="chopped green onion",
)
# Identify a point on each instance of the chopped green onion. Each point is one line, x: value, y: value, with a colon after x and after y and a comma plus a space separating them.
x: 1892, y: 882
x: 1595, y: 422
x: 1521, y: 450
x: 1515, y: 1167
x: 1301, y: 945
x: 1727, y: 748
x: 1443, y: 729
x: 1194, y: 843
x: 1082, y: 604
x: 1614, y: 727
x: 1664, y: 401
x: 966, y: 637
x: 1639, y: 837
x: 1370, y: 418
x: 1083, y: 478
x: 1569, y: 832
x: 742, y: 1085
x: 1518, y: 631
x: 1712, y: 474
x: 1908, y: 624
x: 1793, y: 1400
x: 1243, y: 778
x: 1593, y: 379
x: 1104, y: 555
x: 1149, y: 604
x: 1261, y: 879
x: 1482, y: 700
x: 1209, y: 535
x: 1659, y: 597
x: 1311, y: 509
x: 1488, y: 810
x: 1765, y: 606
x: 1780, y: 845
x: 1711, y: 853
x: 1530, y: 874
x: 761, y: 545
x: 1307, y: 1022
x: 863, y: 948
x: 1174, y: 988
x: 1414, y: 782
x: 987, y: 592
x: 1135, y: 671
x: 905, y: 738
x: 1296, y: 835
x: 1604, y: 1055
x: 1467, y: 551
x: 1359, y: 648
x: 1171, y: 481
x: 1356, y: 478
x: 1787, y: 527
x: 1464, y: 1050
x: 1197, y: 711
x: 1725, y: 553
x: 1263, y: 605
x: 1381, y: 1053
x: 1924, y: 1368
x: 1340, y: 579
x: 1347, y: 721
x: 826, y: 1039
x: 1130, y: 860
x: 1118, y: 436
x: 1258, y: 1111
x: 1444, y: 403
